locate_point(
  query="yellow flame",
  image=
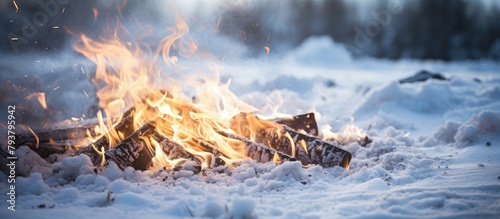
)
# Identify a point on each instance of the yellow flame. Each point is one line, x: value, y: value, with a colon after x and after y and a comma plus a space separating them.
x: 128, y: 75
x: 36, y: 137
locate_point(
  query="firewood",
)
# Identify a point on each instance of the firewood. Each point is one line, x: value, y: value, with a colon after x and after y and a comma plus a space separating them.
x: 133, y: 151
x: 306, y: 122
x: 124, y: 126
x: 259, y: 152
x: 47, y: 149
x: 304, y: 147
x: 54, y: 135
x: 319, y: 152
x: 174, y: 150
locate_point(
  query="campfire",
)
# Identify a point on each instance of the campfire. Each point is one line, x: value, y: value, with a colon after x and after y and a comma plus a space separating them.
x: 149, y: 119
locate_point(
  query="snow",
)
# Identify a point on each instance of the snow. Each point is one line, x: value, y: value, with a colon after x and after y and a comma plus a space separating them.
x: 435, y: 150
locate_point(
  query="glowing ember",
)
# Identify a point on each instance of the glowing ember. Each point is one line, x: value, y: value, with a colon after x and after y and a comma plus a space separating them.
x: 267, y: 49
x: 15, y: 5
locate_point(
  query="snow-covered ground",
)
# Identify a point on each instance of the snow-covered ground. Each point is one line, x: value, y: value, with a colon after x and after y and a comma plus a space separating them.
x: 435, y: 150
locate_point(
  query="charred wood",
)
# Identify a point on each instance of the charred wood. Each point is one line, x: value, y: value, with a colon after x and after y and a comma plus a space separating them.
x: 133, y: 151
x: 306, y: 122
x: 259, y: 152
x: 174, y: 150
x: 47, y: 149
x: 304, y: 147
x: 365, y: 141
x: 124, y: 126
x: 54, y: 135
x: 319, y: 152
x: 209, y: 147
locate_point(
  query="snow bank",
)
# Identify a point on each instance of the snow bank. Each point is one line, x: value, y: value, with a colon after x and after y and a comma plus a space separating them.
x: 485, y: 124
x: 29, y: 162
x: 319, y: 51
x: 419, y: 99
x: 70, y: 168
x: 242, y: 208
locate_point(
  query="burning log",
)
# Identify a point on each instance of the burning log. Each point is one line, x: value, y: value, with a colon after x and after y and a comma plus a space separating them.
x: 306, y: 122
x: 273, y: 143
x: 259, y: 152
x: 51, y: 142
x: 124, y: 126
x: 318, y: 152
x: 133, y: 151
x: 53, y: 136
x: 306, y: 148
x: 276, y: 140
x: 174, y: 150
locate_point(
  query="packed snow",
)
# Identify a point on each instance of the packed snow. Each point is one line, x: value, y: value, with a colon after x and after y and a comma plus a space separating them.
x: 435, y: 150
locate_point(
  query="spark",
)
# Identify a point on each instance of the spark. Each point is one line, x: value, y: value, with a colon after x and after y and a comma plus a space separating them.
x: 268, y: 49
x: 56, y: 88
x: 40, y: 96
x: 14, y: 38
x: 63, y: 10
x: 55, y: 27
x: 36, y: 137
x: 96, y: 13
x: 81, y: 67
x: 85, y: 93
x: 15, y: 5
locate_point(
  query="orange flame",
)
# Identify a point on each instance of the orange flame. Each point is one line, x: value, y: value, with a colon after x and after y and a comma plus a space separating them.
x: 36, y: 136
x: 40, y: 97
x: 126, y: 76
x: 129, y: 75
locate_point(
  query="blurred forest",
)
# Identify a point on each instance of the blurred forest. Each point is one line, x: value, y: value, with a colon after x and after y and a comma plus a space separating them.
x: 424, y: 29
x: 393, y: 29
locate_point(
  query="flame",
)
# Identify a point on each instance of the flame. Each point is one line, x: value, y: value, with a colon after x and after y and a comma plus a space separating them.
x: 130, y: 75
x: 36, y: 136
x: 40, y: 97
x: 190, y: 111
